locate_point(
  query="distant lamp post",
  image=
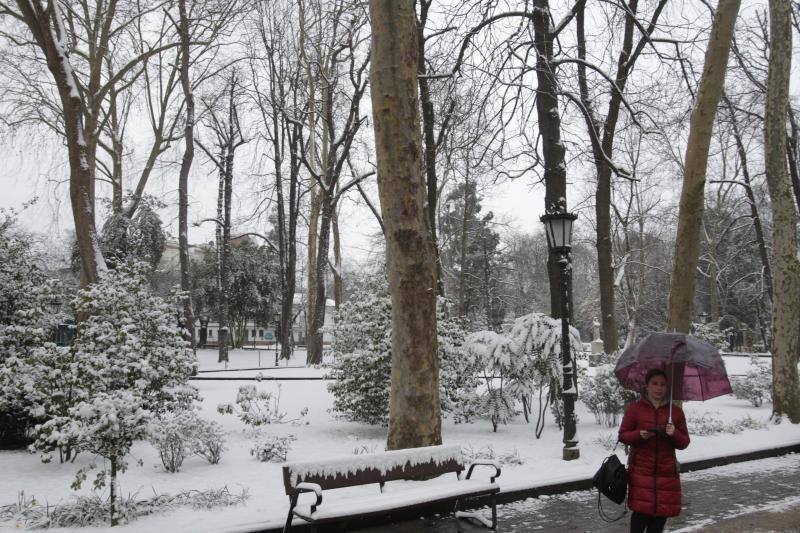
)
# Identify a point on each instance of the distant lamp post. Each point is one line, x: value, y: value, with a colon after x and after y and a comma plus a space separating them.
x: 558, y: 226
x: 276, y: 319
x: 203, y: 330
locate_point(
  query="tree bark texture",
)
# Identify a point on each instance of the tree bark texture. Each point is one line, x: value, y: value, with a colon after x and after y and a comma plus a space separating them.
x: 786, y: 302
x: 44, y: 21
x: 555, y: 170
x: 690, y: 211
x: 183, y: 179
x: 414, y: 409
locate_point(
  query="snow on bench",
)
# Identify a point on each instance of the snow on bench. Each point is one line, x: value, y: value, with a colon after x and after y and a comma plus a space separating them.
x: 411, y: 464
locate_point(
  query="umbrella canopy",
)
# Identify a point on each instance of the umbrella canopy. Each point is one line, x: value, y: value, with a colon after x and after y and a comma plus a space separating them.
x: 694, y: 368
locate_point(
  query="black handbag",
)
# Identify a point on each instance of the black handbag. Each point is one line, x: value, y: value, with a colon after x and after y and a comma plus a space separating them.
x: 611, y: 480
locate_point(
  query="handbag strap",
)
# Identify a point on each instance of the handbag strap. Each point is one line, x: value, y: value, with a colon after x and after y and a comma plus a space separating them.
x: 605, y: 516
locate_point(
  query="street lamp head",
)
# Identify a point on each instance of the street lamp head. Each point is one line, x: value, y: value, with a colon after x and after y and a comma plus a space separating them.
x: 558, y: 227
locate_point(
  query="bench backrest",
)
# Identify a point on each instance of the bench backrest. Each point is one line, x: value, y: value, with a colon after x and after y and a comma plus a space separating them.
x: 374, y: 467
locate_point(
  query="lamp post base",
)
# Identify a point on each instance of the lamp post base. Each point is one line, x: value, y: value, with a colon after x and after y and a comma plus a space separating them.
x: 571, y: 454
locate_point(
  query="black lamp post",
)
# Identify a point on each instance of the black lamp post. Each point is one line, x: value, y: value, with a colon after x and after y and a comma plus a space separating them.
x: 558, y: 225
x: 276, y: 317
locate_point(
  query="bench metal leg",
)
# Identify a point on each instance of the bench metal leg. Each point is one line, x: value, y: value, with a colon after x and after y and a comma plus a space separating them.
x: 478, y: 516
x: 493, y: 501
x: 292, y: 503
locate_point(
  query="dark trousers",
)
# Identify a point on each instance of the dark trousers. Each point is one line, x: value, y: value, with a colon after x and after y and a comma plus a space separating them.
x: 641, y: 523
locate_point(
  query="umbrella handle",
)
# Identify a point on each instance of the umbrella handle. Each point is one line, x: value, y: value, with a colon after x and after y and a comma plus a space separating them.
x: 675, y: 347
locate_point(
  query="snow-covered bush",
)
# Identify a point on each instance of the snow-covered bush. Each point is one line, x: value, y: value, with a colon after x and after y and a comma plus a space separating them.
x: 272, y: 448
x: 128, y: 364
x: 487, y: 453
x: 92, y: 510
x: 172, y: 435
x: 25, y: 326
x: 107, y: 425
x: 607, y: 441
x: 712, y: 334
x: 756, y: 385
x: 361, y: 347
x: 257, y: 407
x: 604, y: 395
x: 208, y: 441
x: 500, y: 369
x: 518, y: 366
x: 709, y: 423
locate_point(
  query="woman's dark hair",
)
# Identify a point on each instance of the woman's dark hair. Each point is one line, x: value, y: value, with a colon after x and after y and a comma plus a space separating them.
x: 652, y: 373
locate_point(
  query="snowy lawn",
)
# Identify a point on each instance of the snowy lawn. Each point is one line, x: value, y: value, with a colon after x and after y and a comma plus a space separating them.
x: 326, y: 437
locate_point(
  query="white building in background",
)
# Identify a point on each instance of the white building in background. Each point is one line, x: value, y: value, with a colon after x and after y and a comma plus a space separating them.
x: 260, y: 335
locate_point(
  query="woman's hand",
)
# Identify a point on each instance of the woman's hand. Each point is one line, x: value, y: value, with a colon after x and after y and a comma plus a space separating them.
x: 645, y: 434
x: 670, y: 429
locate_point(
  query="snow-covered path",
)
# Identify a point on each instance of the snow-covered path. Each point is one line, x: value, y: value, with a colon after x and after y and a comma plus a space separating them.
x: 710, y: 496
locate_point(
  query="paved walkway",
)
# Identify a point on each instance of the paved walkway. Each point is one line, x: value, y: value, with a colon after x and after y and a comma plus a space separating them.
x: 761, y: 495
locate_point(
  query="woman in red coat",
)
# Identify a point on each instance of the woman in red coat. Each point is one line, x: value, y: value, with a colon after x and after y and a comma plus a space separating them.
x: 654, y: 487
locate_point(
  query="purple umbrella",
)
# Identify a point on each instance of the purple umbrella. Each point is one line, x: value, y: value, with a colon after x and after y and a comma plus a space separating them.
x: 695, y: 368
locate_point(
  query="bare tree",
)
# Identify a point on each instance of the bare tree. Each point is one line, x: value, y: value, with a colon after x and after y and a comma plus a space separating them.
x: 602, y: 133
x: 228, y: 137
x: 76, y: 45
x: 342, y: 85
x: 279, y: 97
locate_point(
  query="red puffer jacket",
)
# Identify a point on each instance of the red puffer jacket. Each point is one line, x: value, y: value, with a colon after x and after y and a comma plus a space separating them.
x: 654, y: 487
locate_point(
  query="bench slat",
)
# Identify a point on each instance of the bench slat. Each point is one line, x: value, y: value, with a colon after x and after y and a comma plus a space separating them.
x: 374, y: 468
x: 394, y: 501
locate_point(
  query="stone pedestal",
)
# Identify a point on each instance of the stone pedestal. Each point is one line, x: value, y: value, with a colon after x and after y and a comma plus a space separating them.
x: 597, y: 347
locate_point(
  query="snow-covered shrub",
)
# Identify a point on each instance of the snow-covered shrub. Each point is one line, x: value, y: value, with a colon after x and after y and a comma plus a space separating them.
x: 487, y: 453
x: 172, y: 435
x: 520, y: 366
x: 604, y: 395
x: 607, y: 441
x: 92, y: 510
x: 257, y: 407
x: 746, y: 422
x: 709, y: 424
x: 208, y: 441
x: 25, y: 327
x: 129, y: 362
x: 361, y: 347
x: 712, y: 334
x: 756, y: 385
x: 499, y: 367
x: 272, y: 448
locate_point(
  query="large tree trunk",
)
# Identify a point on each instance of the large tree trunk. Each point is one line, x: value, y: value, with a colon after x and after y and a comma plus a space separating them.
x: 338, y: 285
x: 414, y: 409
x: 690, y: 212
x: 311, y: 265
x: 555, y: 170
x: 786, y: 303
x: 314, y: 355
x: 183, y: 180
x: 44, y: 21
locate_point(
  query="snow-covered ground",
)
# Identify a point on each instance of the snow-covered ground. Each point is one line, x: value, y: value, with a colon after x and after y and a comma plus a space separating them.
x: 326, y: 437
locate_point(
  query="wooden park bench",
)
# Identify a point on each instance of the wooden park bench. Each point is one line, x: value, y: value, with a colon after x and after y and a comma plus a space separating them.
x: 380, y: 468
